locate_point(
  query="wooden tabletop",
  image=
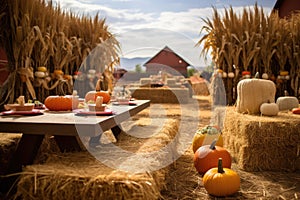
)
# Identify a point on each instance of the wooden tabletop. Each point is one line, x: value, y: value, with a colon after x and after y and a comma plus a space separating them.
x: 68, y: 124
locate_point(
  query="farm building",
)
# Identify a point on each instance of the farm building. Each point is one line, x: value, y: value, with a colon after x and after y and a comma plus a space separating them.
x: 286, y: 7
x: 167, y: 60
x: 72, y: 140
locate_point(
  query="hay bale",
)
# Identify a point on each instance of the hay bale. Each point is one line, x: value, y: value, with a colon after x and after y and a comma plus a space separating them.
x: 145, y: 82
x: 80, y: 176
x: 8, y: 144
x: 263, y: 143
x: 162, y: 95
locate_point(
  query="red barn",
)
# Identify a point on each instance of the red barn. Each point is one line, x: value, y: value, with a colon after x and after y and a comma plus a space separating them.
x: 168, y: 61
x: 286, y: 7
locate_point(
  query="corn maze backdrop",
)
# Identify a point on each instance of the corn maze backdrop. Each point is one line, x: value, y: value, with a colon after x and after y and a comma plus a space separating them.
x: 46, y: 47
x: 251, y: 42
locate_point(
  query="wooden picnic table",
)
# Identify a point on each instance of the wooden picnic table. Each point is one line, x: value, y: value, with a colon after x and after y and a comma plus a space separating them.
x: 65, y: 127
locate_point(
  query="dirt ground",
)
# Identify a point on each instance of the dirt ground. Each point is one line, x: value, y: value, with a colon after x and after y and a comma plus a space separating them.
x: 183, y: 182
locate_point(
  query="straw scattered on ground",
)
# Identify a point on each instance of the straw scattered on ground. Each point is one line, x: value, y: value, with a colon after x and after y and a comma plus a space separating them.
x: 178, y: 180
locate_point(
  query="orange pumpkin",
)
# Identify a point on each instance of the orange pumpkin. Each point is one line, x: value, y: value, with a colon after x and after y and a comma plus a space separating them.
x: 92, y: 95
x: 221, y: 181
x: 59, y: 103
x: 207, y: 156
x: 205, y: 136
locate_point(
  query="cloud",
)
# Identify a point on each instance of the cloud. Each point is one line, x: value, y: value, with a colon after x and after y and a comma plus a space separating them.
x: 144, y: 33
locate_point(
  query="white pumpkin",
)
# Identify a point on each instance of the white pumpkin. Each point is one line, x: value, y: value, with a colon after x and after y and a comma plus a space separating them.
x: 39, y: 74
x: 265, y: 76
x: 251, y: 93
x: 287, y: 103
x: 231, y: 75
x: 269, y: 109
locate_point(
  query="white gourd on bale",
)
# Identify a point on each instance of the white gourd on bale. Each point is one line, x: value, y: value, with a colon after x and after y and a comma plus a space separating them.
x: 251, y: 93
x: 269, y: 109
x: 287, y: 103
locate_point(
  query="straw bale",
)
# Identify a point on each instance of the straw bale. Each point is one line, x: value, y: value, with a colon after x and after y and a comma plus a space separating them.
x: 8, y: 144
x: 81, y: 176
x: 200, y: 89
x: 263, y: 143
x: 162, y: 95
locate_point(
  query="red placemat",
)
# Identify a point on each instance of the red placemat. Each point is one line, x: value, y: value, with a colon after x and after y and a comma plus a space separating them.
x: 21, y: 113
x: 107, y: 112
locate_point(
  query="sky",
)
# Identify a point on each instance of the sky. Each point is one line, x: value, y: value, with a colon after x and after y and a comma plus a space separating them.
x: 144, y: 27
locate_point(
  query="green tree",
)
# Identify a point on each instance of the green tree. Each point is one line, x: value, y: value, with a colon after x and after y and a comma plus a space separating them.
x: 138, y: 68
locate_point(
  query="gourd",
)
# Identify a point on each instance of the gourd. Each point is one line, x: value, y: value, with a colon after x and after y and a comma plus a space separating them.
x: 206, y: 157
x: 251, y: 93
x: 296, y: 111
x: 269, y: 109
x: 287, y: 103
x: 59, y: 103
x: 231, y: 75
x: 221, y: 181
x: 207, y: 135
x: 92, y: 95
x: 42, y: 69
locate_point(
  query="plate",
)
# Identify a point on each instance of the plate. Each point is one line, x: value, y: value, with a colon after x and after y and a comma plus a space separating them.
x: 106, y: 112
x: 22, y: 113
x: 17, y: 107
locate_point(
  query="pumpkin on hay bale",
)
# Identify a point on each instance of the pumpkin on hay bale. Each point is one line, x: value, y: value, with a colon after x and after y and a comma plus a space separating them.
x: 263, y: 143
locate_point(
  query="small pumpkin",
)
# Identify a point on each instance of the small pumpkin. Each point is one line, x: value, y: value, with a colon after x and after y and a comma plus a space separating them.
x: 205, y: 136
x: 231, y: 75
x: 221, y: 181
x: 287, y: 103
x: 42, y: 69
x: 59, y: 103
x: 92, y: 95
x: 269, y: 109
x: 283, y: 73
x: 206, y: 157
x: 265, y: 76
x: 296, y: 111
x: 58, y: 72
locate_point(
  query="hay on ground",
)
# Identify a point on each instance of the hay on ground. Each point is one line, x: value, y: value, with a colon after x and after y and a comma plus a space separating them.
x: 263, y: 143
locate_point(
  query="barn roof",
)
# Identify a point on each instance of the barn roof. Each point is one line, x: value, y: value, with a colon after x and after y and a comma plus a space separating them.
x: 277, y: 4
x: 166, y: 48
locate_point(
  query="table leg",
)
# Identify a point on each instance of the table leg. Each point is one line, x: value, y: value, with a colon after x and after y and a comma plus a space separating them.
x: 94, y: 141
x: 116, y: 130
x: 67, y: 143
x: 25, y: 154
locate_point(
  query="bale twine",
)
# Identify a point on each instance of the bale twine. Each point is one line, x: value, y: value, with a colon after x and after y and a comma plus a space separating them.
x: 263, y: 143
